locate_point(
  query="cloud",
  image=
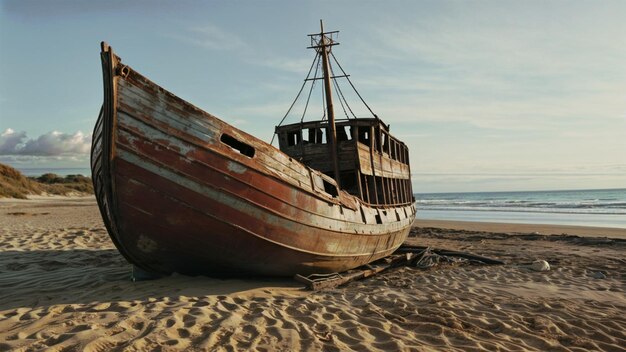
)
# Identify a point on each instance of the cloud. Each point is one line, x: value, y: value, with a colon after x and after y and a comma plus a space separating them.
x: 51, y: 144
x: 10, y: 141
x: 211, y: 37
x: 535, y: 70
x: 293, y: 65
x: 29, y: 161
x: 595, y: 177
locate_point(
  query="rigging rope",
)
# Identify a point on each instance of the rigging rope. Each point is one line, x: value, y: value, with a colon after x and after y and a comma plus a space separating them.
x: 353, y: 87
x: 342, y: 98
x: 297, y: 96
x: 340, y: 101
x: 341, y: 95
x: 311, y: 90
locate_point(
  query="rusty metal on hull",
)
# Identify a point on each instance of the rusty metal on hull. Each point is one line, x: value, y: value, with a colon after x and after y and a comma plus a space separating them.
x: 182, y: 191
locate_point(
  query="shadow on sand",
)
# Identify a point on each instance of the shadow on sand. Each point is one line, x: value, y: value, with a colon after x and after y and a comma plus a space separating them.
x: 48, y: 277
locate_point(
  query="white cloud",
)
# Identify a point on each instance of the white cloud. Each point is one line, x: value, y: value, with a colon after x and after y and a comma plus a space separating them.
x: 299, y: 66
x: 594, y: 176
x: 51, y: 144
x: 212, y: 37
x: 506, y: 67
x: 10, y: 141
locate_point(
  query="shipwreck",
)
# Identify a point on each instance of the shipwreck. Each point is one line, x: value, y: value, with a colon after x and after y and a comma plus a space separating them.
x: 180, y: 190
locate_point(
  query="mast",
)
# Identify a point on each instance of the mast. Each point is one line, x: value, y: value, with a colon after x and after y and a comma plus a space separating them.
x: 325, y: 45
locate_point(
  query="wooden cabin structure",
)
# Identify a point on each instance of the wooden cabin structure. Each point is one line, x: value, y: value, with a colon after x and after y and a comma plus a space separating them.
x: 372, y: 164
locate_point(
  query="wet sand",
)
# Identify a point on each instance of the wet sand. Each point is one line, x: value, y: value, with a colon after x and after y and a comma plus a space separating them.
x: 586, y: 231
x: 64, y: 286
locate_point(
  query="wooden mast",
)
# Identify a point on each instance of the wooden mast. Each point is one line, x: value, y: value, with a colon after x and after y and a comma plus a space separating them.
x: 332, y: 141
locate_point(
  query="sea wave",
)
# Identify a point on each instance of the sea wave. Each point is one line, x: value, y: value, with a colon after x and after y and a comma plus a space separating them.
x: 529, y: 210
x: 521, y: 204
x: 610, y: 202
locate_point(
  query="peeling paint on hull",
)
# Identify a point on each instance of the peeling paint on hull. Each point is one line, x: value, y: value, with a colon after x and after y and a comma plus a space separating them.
x: 176, y: 198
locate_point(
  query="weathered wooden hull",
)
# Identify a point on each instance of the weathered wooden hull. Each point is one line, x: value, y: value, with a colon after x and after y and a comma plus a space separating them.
x: 176, y: 198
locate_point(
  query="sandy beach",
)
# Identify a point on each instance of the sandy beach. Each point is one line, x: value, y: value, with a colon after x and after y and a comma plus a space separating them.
x: 64, y: 287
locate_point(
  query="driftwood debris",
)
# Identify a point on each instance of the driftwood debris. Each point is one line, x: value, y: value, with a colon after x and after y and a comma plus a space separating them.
x: 448, y: 253
x: 421, y: 257
x: 321, y: 281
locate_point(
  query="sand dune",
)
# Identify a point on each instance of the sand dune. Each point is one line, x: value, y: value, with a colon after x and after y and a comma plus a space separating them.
x: 64, y: 286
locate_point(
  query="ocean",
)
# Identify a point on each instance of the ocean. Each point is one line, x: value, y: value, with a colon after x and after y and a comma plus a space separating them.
x: 603, y: 208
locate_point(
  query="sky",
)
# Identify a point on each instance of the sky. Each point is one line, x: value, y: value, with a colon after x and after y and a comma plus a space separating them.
x: 488, y: 95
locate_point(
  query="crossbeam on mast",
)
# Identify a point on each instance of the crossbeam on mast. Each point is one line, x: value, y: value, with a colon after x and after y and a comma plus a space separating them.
x: 322, y: 45
x: 315, y: 34
x: 331, y: 77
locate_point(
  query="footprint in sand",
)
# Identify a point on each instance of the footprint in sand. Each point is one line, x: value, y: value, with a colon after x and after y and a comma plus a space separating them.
x: 169, y: 323
x: 183, y: 333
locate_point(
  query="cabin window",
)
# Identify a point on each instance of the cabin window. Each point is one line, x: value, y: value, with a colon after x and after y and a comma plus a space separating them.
x: 385, y: 142
x: 316, y: 135
x: 407, y: 190
x: 294, y: 138
x: 352, y: 134
x: 364, y: 135
x: 349, y: 182
x: 371, y: 185
x: 365, y: 189
x: 341, y: 134
x: 380, y: 189
x: 330, y: 188
x: 394, y: 191
x: 237, y: 145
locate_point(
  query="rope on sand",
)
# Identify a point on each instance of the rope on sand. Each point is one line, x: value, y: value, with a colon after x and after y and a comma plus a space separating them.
x: 420, y: 257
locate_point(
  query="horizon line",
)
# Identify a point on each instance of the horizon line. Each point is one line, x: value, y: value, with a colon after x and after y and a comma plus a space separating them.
x: 529, y: 191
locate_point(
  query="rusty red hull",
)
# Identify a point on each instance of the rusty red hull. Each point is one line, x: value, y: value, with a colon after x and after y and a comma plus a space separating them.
x: 182, y: 191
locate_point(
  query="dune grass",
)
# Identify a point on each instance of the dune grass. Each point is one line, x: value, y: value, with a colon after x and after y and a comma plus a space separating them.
x: 13, y: 184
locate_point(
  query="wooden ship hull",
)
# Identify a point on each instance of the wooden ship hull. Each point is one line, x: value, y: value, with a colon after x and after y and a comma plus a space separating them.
x: 182, y: 191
